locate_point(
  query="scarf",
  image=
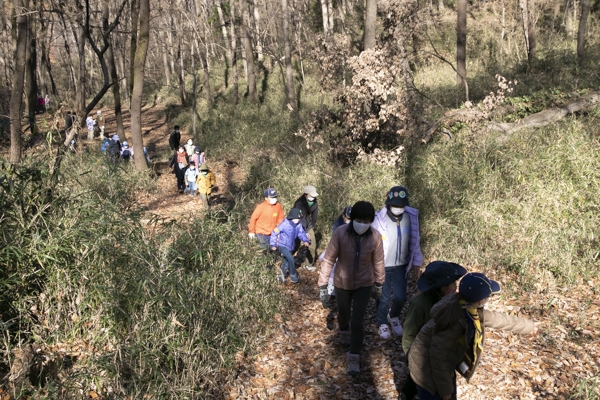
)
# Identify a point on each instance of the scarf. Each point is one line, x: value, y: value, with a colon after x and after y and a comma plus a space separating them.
x: 475, y: 324
x: 402, y: 241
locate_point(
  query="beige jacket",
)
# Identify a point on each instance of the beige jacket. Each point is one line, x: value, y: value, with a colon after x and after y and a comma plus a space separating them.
x: 434, y: 356
x: 351, y: 275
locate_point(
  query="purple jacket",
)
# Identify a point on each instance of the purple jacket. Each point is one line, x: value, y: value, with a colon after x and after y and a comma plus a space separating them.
x: 286, y: 233
x: 415, y: 258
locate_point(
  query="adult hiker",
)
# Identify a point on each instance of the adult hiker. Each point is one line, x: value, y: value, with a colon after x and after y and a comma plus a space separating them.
x: 282, y: 239
x: 100, y: 123
x: 359, y: 274
x: 175, y: 138
x: 90, y: 124
x: 399, y: 227
x: 438, y: 280
x: 206, y: 181
x: 179, y: 163
x: 189, y: 147
x: 114, y: 148
x: 454, y: 339
x: 307, y: 203
x: 343, y: 219
x: 265, y: 218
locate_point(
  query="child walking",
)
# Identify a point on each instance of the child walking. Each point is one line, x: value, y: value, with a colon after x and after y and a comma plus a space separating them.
x: 283, y: 239
x: 190, y: 179
x: 206, y: 181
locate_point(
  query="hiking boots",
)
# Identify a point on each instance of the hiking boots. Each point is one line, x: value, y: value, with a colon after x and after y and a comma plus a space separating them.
x: 280, y: 278
x: 353, y: 364
x: 344, y: 338
x: 294, y: 278
x: 384, y: 331
x: 396, y: 327
x: 310, y: 267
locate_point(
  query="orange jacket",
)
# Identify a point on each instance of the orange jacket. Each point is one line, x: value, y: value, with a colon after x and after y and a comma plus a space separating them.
x: 265, y: 218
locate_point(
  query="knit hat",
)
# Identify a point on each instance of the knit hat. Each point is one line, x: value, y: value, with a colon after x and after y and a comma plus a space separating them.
x: 475, y: 286
x: 270, y: 192
x: 311, y: 191
x: 347, y: 211
x: 197, y: 149
x: 125, y: 144
x: 438, y: 274
x: 397, y: 196
x: 294, y: 213
x: 115, y: 138
x: 204, y: 167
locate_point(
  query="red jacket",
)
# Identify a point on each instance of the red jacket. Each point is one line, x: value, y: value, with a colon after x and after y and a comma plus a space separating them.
x: 265, y: 218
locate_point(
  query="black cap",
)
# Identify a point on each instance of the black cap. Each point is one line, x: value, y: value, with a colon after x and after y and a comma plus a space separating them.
x: 397, y: 196
x: 438, y: 274
x: 294, y: 213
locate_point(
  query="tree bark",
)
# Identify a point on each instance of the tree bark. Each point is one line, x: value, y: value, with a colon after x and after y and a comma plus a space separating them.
x: 247, y: 40
x: 180, y: 72
x: 289, y: 72
x: 16, y: 96
x: 31, y: 87
x: 227, y: 42
x: 582, y: 31
x: 133, y: 41
x: 325, y: 14
x: 461, y: 44
x: 569, y: 17
x: 233, y: 55
x: 138, y: 84
x: 114, y: 77
x: 259, y: 45
x: 165, y: 57
x: 370, y: 24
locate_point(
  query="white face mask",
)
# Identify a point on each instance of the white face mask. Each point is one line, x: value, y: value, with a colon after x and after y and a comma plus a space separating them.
x: 310, y: 198
x: 272, y: 200
x: 360, y: 228
x: 295, y: 221
x: 397, y: 210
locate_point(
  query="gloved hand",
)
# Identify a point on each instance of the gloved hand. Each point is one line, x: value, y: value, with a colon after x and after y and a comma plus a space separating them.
x: 377, y: 289
x: 324, y: 296
x: 251, y: 235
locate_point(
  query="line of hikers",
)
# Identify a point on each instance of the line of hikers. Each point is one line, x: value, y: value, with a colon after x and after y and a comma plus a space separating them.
x: 372, y: 255
x: 189, y: 165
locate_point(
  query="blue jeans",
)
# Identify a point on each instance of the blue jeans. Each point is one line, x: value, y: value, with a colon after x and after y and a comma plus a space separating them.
x: 395, y: 281
x: 263, y: 240
x: 288, y: 263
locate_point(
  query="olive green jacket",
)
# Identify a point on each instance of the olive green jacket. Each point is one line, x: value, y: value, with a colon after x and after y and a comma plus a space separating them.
x: 417, y: 315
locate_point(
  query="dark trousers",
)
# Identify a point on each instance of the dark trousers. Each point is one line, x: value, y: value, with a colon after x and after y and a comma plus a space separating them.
x: 352, y: 306
x: 410, y: 388
x: 180, y: 174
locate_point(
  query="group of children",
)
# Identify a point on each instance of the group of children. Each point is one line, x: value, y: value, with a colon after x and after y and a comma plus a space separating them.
x: 190, y: 167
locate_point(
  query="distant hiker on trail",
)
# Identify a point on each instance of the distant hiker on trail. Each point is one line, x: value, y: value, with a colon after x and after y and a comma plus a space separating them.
x: 47, y: 102
x: 307, y: 203
x: 175, y: 138
x: 399, y: 227
x: 189, y: 147
x: 146, y: 155
x: 105, y: 144
x: 40, y: 104
x: 343, y: 219
x: 126, y: 152
x: 89, y: 123
x: 283, y: 238
x: 100, y: 123
x: 454, y: 339
x: 191, y: 175
x: 206, y: 182
x: 265, y: 218
x: 114, y: 148
x: 438, y: 280
x: 179, y: 163
x: 359, y: 274
x: 198, y: 156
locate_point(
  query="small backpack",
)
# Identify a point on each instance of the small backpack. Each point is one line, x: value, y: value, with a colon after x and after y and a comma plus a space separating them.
x: 104, y: 146
x: 114, y: 148
x: 126, y: 154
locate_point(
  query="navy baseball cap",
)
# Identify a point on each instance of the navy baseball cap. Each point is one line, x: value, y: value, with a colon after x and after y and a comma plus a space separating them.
x: 438, y: 274
x: 475, y: 287
x: 270, y: 192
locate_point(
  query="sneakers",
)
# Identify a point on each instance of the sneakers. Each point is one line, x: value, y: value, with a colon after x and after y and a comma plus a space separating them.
x: 353, y: 364
x: 384, y: 331
x: 280, y: 278
x: 294, y: 278
x: 310, y: 267
x: 344, y: 338
x: 396, y: 327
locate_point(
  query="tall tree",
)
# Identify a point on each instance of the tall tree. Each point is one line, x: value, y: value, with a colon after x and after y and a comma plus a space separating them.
x: 461, y: 43
x: 370, y: 24
x: 16, y: 95
x: 233, y: 55
x: 289, y: 72
x: 247, y: 42
x: 139, y: 61
x: 582, y: 31
x: 528, y: 18
x: 110, y: 61
x: 31, y: 86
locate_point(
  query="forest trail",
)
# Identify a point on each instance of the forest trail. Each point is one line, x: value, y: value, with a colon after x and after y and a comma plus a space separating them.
x: 299, y: 358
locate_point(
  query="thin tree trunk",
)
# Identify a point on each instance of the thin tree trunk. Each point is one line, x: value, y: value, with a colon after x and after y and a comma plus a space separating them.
x: 531, y: 28
x: 165, y: 57
x: 325, y: 13
x: 227, y: 42
x: 134, y: 40
x: 330, y: 15
x: 114, y: 77
x: 461, y: 43
x: 247, y: 40
x: 81, y: 73
x: 582, y: 31
x: 194, y: 92
x: 259, y: 47
x: 569, y: 17
x: 370, y: 24
x: 441, y: 6
x: 289, y: 72
x: 233, y: 55
x: 180, y: 73
x: 16, y: 96
x: 555, y: 13
x: 138, y: 84
x: 31, y: 88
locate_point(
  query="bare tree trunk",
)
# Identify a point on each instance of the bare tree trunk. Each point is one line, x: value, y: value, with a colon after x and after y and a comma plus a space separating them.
x: 370, y: 24
x: 16, y: 96
x: 461, y: 43
x: 180, y: 73
x: 233, y: 48
x: 138, y: 84
x: 134, y: 40
x: 225, y: 37
x: 165, y: 57
x: 194, y: 92
x: 325, y: 14
x: 289, y: 72
x: 441, y: 6
x: 582, y: 31
x: 330, y: 15
x: 31, y: 87
x: 114, y: 77
x: 531, y: 28
x: 81, y: 73
x: 247, y: 40
x: 569, y: 17
x: 555, y: 13
x: 259, y: 46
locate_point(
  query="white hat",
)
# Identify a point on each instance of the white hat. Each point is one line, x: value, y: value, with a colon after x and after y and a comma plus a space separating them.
x: 125, y: 144
x: 311, y: 191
